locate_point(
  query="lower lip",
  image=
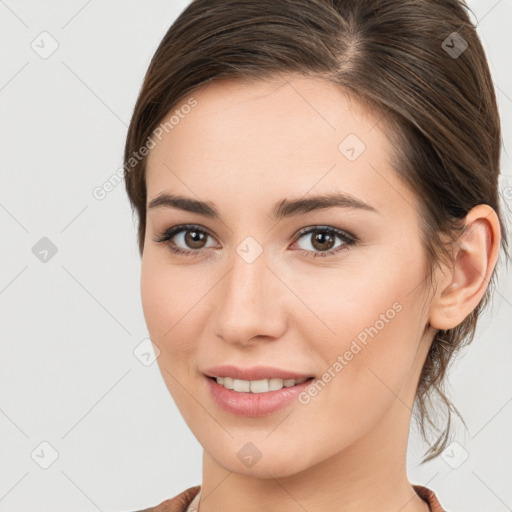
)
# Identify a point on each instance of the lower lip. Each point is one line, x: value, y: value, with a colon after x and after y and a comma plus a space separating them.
x: 254, y: 404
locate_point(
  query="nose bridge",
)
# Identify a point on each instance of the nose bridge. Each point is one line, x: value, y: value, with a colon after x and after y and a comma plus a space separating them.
x: 247, y: 302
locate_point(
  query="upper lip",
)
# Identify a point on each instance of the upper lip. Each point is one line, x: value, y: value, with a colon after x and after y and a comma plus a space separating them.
x: 253, y: 373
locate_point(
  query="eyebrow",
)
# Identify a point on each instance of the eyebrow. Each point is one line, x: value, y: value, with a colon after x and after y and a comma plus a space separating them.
x: 282, y: 209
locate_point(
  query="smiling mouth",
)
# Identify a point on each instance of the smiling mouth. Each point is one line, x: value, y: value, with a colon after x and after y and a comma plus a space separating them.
x: 257, y: 386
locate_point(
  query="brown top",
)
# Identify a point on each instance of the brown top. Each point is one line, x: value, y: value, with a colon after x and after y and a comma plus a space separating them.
x: 185, y: 502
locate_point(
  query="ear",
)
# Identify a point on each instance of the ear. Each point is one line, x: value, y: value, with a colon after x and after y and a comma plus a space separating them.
x: 460, y: 288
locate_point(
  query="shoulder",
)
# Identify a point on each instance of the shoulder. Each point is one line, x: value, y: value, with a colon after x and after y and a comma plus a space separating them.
x: 179, y: 503
x: 430, y: 497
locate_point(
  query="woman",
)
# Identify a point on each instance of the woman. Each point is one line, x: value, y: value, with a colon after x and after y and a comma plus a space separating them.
x: 319, y: 221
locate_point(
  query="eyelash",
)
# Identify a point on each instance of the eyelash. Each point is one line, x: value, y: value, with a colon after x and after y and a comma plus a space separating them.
x: 347, y: 238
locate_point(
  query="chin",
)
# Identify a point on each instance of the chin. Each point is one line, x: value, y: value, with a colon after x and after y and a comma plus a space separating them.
x: 270, y: 465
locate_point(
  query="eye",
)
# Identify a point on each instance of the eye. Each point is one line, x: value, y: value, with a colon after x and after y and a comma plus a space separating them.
x: 190, y: 236
x: 322, y: 239
x: 193, y: 239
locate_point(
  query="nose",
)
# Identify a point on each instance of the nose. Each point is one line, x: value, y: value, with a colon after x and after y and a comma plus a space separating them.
x: 251, y: 303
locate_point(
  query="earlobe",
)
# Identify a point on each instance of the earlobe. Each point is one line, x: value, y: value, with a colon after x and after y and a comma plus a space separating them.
x: 461, y: 288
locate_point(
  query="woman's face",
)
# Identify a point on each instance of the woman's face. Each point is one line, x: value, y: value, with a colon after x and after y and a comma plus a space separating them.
x: 248, y: 291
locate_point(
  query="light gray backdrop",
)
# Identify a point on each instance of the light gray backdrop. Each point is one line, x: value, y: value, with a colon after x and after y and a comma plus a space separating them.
x: 86, y: 423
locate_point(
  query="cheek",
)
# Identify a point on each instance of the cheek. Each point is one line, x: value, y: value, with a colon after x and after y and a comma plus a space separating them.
x: 366, y: 366
x: 167, y: 303
x: 374, y: 329
x: 165, y: 306
x: 155, y: 297
x: 167, y: 294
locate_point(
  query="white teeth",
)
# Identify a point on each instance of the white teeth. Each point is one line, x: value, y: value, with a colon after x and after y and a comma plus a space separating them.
x: 275, y: 384
x: 242, y: 385
x: 257, y: 386
x: 228, y: 382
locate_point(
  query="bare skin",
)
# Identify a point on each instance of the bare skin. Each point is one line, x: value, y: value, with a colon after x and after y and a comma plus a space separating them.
x: 244, y: 148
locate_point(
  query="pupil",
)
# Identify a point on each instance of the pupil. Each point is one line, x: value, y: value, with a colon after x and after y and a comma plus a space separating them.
x: 322, y: 239
x: 194, y: 239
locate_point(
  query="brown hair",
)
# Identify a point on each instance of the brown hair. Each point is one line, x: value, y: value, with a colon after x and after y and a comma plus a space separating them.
x: 397, y: 58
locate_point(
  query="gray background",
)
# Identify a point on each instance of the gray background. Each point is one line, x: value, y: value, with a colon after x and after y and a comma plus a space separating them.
x: 68, y: 373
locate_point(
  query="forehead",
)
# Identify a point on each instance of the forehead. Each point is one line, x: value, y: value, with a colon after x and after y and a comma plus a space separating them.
x: 268, y: 139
